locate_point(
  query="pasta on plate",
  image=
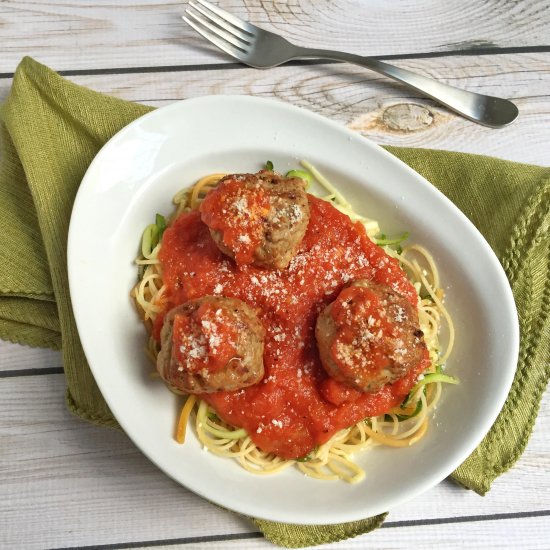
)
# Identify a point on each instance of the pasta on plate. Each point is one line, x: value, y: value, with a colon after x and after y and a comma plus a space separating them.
x: 342, y: 324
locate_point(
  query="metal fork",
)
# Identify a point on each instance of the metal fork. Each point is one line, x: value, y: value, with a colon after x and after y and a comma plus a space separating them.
x: 263, y: 49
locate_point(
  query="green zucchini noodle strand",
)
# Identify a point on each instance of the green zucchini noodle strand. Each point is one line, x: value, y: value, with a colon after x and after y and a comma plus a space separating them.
x: 402, y: 426
x: 338, y: 197
x: 339, y: 202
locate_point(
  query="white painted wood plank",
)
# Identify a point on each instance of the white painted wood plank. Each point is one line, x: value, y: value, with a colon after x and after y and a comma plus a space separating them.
x: 364, y: 101
x: 133, y: 33
x: 15, y: 357
x: 66, y: 483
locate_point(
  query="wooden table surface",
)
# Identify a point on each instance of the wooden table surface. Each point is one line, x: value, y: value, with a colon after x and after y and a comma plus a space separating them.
x: 67, y: 484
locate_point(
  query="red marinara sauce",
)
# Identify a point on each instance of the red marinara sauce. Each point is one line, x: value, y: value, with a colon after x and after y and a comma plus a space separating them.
x: 241, y: 223
x: 193, y: 337
x: 296, y: 406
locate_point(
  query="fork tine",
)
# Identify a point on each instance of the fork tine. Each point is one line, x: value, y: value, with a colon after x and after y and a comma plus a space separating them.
x: 220, y: 22
x: 235, y: 21
x: 227, y: 36
x: 215, y: 39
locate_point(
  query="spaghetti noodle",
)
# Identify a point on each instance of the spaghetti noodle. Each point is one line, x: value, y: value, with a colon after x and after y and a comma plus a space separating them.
x: 401, y: 426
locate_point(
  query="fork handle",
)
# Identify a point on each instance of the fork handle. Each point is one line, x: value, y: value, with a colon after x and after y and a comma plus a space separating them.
x: 487, y: 110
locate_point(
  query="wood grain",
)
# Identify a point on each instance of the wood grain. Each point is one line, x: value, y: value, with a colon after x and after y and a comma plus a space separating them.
x: 102, y: 34
x: 376, y: 107
x: 66, y: 483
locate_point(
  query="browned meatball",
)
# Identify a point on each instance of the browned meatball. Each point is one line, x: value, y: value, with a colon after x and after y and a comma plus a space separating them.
x: 211, y: 344
x: 369, y: 336
x: 257, y: 219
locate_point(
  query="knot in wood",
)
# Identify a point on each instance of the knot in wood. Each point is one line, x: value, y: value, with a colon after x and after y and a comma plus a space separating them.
x: 407, y: 117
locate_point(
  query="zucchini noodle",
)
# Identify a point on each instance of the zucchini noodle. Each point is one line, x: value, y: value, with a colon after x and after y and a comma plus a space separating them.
x: 340, y: 203
x: 402, y: 426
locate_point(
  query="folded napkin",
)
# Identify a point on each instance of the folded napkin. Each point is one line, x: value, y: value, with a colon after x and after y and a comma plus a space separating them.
x: 51, y: 129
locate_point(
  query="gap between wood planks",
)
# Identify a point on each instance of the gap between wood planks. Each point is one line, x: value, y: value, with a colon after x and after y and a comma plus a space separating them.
x: 38, y: 371
x: 235, y: 65
x: 256, y: 535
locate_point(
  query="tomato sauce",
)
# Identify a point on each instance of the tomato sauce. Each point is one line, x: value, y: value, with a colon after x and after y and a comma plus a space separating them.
x: 242, y: 210
x: 296, y: 406
x: 204, y: 340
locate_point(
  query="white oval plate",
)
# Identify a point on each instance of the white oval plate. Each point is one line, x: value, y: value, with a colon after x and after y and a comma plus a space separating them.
x: 136, y: 174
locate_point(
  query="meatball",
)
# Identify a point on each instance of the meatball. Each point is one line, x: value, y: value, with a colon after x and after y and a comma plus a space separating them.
x: 369, y: 336
x: 211, y: 344
x: 257, y: 219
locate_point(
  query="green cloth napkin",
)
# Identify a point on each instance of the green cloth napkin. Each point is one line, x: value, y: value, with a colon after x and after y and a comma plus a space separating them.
x: 51, y: 129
